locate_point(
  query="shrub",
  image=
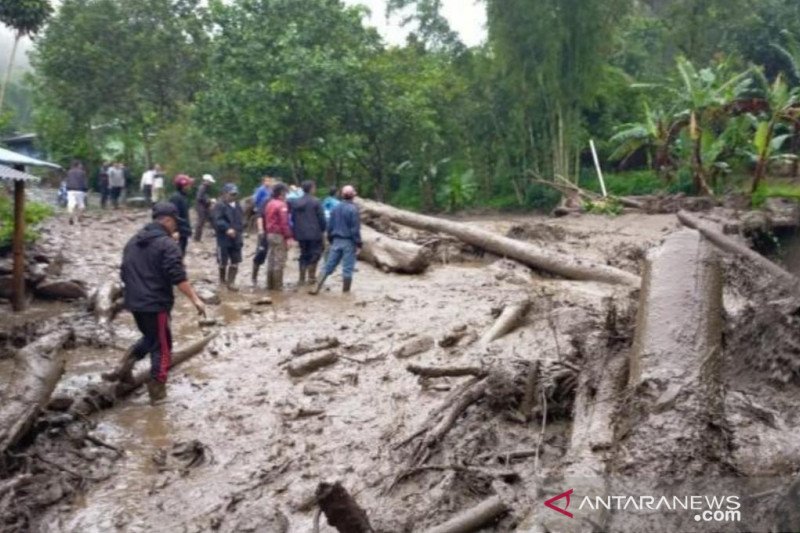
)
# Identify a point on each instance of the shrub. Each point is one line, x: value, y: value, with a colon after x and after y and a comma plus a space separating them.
x: 34, y: 213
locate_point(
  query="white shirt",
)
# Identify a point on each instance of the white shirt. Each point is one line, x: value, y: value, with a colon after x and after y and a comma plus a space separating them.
x: 147, y: 178
x: 158, y: 181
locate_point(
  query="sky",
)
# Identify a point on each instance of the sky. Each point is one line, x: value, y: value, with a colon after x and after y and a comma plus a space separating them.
x: 467, y: 17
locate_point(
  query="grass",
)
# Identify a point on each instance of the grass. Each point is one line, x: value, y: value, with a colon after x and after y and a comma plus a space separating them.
x: 34, y: 213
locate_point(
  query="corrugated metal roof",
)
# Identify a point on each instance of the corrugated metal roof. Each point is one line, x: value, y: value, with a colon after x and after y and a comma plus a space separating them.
x: 8, y: 173
x: 7, y: 157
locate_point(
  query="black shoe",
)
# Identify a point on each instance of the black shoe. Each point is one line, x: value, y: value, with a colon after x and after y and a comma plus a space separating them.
x: 347, y: 284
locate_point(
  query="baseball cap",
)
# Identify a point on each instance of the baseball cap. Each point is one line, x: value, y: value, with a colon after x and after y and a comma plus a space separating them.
x: 209, y: 178
x: 230, y: 188
x: 182, y: 180
x: 165, y: 209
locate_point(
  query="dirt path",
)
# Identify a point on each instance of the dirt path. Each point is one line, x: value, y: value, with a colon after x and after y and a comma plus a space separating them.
x: 269, y: 439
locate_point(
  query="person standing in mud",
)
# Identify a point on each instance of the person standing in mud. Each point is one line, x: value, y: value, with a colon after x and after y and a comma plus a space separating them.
x: 77, y: 184
x: 102, y: 184
x: 344, y: 234
x: 151, y: 266
x: 146, y: 184
x: 180, y: 200
x: 116, y: 182
x: 203, y: 206
x: 229, y: 225
x: 279, y: 236
x: 260, y: 199
x: 158, y: 183
x: 308, y: 226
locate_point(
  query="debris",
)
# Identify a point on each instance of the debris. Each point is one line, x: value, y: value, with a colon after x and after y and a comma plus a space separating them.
x: 473, y: 519
x: 508, y: 320
x: 392, y: 255
x: 306, y: 364
x: 324, y: 343
x: 341, y: 509
x: 415, y: 346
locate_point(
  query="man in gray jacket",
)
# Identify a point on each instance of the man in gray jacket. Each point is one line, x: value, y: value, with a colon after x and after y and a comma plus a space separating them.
x: 116, y: 183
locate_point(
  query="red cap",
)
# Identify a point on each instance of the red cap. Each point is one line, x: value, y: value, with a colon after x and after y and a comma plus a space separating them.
x: 182, y: 180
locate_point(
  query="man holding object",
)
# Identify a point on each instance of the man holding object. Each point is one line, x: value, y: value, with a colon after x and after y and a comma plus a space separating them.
x: 151, y: 265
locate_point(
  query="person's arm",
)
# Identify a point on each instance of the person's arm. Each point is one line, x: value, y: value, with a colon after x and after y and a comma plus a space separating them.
x: 286, y: 231
x: 173, y: 264
x: 356, y: 225
x: 220, y: 220
x: 186, y: 288
x: 321, y: 217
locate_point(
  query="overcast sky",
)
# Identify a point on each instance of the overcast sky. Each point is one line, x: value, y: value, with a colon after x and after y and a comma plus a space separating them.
x: 467, y: 17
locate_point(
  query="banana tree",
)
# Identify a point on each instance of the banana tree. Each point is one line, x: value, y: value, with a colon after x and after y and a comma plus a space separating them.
x: 782, y: 107
x: 705, y: 96
x: 655, y: 134
x: 789, y: 52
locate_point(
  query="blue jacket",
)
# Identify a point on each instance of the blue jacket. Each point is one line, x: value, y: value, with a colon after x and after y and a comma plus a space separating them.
x: 328, y: 204
x: 260, y: 198
x: 345, y: 223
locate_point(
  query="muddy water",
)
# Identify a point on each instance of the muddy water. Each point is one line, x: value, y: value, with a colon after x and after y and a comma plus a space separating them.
x: 237, y: 399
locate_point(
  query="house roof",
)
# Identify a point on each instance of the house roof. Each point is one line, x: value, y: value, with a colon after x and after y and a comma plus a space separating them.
x: 12, y: 174
x: 7, y: 157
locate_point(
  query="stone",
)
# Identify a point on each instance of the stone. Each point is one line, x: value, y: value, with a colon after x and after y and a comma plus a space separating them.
x: 60, y: 290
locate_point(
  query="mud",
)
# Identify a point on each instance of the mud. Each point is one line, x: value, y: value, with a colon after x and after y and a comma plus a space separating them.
x: 242, y: 445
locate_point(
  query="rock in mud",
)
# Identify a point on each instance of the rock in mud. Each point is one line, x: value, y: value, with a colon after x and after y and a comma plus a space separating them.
x: 136, y: 201
x: 263, y: 301
x: 782, y: 212
x: 306, y: 364
x: 209, y: 296
x: 60, y: 290
x: 341, y: 509
x: 415, y: 346
x: 316, y: 345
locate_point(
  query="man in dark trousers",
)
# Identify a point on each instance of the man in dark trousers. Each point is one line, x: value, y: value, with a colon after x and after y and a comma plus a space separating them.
x: 308, y: 223
x: 151, y: 265
x: 229, y: 224
x: 102, y: 184
x: 344, y: 234
x: 261, y: 197
x: 180, y: 200
x: 203, y: 206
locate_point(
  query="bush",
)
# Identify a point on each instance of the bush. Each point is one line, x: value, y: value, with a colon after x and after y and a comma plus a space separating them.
x: 34, y: 213
x: 775, y: 190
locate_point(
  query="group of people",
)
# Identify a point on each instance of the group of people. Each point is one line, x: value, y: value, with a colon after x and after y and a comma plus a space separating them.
x: 153, y: 259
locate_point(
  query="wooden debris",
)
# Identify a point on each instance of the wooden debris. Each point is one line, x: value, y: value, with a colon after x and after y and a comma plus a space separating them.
x: 415, y: 346
x: 510, y: 318
x: 391, y: 255
x: 306, y: 364
x: 317, y: 345
x: 473, y: 519
x: 441, y: 372
x: 341, y: 510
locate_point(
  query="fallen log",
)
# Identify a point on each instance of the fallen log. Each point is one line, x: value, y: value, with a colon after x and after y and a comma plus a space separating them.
x: 526, y: 253
x: 391, y: 255
x: 105, y: 394
x: 511, y: 316
x: 37, y: 369
x: 672, y: 427
x: 306, y: 364
x: 316, y: 345
x: 729, y: 245
x: 443, y: 372
x: 341, y: 510
x: 473, y: 519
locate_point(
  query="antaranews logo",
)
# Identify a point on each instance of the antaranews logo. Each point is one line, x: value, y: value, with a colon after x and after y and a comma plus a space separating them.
x: 703, y: 508
x: 564, y: 495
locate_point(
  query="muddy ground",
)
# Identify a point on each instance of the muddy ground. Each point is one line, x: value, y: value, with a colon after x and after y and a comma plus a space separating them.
x: 257, y: 442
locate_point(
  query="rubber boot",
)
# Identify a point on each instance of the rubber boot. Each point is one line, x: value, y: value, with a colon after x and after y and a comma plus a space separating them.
x: 232, y: 271
x: 279, y: 280
x: 124, y: 371
x: 270, y: 280
x: 255, y: 275
x: 348, y: 282
x: 318, y: 288
x: 312, y: 274
x: 222, y: 275
x: 157, y: 391
x: 302, y: 280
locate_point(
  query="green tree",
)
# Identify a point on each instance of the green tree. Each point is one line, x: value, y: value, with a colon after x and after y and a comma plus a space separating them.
x: 25, y: 17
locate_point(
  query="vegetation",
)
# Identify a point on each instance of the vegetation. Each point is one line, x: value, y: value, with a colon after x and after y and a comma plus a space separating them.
x: 688, y: 95
x: 34, y: 213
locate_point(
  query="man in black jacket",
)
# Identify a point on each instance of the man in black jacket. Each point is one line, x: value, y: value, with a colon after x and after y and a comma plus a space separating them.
x: 181, y: 202
x: 203, y: 206
x: 229, y: 223
x: 308, y: 226
x: 151, y: 265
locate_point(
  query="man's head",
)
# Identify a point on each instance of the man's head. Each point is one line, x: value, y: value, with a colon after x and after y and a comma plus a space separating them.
x: 157, y: 167
x: 267, y: 181
x: 333, y: 190
x: 348, y: 192
x: 166, y: 214
x: 309, y: 187
x: 231, y: 192
x: 76, y: 163
x: 183, y: 182
x: 279, y: 190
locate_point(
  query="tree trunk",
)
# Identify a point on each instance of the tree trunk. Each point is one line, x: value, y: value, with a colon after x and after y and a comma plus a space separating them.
x: 526, y: 253
x: 17, y: 37
x: 392, y: 255
x: 672, y: 428
x: 102, y: 395
x: 473, y: 519
x: 510, y: 318
x: 763, y: 160
x: 729, y: 245
x: 18, y: 247
x: 698, y: 174
x: 37, y: 369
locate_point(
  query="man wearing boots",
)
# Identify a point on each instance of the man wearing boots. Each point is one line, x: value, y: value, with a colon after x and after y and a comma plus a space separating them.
x: 308, y: 225
x: 151, y: 265
x: 260, y: 199
x: 279, y: 235
x: 229, y: 224
x: 344, y: 234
